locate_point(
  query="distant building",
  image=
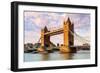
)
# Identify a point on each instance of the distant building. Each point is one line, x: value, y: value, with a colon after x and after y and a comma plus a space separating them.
x: 86, y: 44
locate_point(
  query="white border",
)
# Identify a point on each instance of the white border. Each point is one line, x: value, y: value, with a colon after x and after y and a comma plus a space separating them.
x: 22, y: 64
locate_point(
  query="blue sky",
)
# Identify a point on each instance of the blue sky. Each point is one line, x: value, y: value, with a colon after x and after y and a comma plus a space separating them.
x: 35, y: 21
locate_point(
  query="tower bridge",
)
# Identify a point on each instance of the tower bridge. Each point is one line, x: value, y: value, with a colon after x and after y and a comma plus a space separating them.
x: 68, y: 34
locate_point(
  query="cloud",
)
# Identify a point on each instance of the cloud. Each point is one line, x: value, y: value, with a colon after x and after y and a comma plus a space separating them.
x: 30, y: 14
x: 35, y: 21
x: 31, y: 37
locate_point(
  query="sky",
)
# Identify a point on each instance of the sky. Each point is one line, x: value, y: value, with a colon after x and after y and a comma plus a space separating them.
x: 35, y: 21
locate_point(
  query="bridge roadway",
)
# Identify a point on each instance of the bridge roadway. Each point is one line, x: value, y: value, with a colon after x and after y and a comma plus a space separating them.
x: 54, y: 32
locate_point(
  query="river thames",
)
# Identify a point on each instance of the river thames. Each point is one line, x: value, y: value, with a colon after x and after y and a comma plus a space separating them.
x: 81, y: 54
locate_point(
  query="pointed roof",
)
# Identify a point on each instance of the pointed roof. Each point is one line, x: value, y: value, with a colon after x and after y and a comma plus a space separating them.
x: 45, y: 28
x: 68, y: 20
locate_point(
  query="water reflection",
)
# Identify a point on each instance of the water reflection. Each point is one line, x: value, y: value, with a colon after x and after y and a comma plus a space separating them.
x: 45, y: 56
x: 67, y: 56
x: 56, y: 56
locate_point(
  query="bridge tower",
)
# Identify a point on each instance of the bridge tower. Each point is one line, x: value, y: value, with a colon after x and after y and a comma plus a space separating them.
x: 45, y: 39
x: 68, y: 37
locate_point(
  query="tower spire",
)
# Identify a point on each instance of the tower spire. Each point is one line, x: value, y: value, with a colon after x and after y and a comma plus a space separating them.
x: 68, y: 20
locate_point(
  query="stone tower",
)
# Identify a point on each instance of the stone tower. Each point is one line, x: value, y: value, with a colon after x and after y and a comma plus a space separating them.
x: 68, y: 27
x: 45, y: 39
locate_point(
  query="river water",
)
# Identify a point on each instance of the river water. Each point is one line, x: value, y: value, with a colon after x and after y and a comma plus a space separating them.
x: 82, y: 54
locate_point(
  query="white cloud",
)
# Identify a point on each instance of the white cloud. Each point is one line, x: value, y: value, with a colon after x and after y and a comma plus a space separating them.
x: 31, y: 37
